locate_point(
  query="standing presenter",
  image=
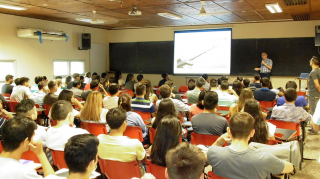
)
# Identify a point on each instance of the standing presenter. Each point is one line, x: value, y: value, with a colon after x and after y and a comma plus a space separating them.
x: 266, y: 66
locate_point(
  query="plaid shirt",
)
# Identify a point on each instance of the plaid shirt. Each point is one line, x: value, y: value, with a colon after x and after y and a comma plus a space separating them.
x: 263, y: 68
x: 290, y: 113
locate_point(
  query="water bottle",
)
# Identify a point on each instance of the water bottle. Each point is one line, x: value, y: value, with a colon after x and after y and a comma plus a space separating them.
x: 302, y: 87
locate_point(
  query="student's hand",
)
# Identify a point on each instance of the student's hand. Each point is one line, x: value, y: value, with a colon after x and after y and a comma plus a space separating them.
x: 226, y: 136
x: 101, y: 86
x: 36, y: 147
x: 74, y: 101
x: 5, y: 113
x: 231, y: 91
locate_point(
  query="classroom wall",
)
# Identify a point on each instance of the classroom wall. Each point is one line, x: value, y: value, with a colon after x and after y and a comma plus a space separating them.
x: 34, y: 59
x: 239, y: 31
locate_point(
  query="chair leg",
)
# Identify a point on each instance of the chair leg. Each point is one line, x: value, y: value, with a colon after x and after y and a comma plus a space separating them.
x: 301, y: 150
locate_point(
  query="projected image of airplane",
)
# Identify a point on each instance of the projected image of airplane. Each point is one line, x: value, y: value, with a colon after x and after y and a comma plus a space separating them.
x: 186, y: 63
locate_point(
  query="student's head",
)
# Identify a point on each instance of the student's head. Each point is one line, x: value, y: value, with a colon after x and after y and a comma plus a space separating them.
x: 140, y: 78
x: 246, y: 82
x: 105, y: 82
x: 130, y: 77
x: 62, y: 110
x: 94, y: 84
x: 213, y: 83
x: 95, y: 77
x: 141, y: 90
x: 257, y: 77
x: 240, y: 78
x: 224, y: 85
x: 186, y: 161
x: 24, y: 81
x: 9, y: 78
x: 291, y: 84
x: 76, y: 83
x: 201, y: 98
x: 52, y: 85
x: 94, y: 73
x: 315, y: 61
x: 59, y: 82
x: 27, y: 108
x: 290, y: 95
x: 17, y: 81
x: 265, y: 82
x: 191, y: 80
x: 68, y: 79
x: 65, y: 95
x: 237, y: 87
x: 114, y: 89
x: 82, y: 79
x: 166, y: 107
x: 245, y: 95
x: 81, y: 153
x: 92, y: 108
x: 41, y: 85
x: 191, y: 85
x: 224, y: 78
x: 264, y: 55
x: 117, y: 118
x: 200, y: 82
x: 210, y: 100
x: 167, y: 137
x: 17, y: 133
x: 124, y: 101
x: 76, y: 76
x: 205, y: 77
x: 37, y: 79
x: 164, y: 75
x: 103, y: 75
x: 58, y: 78
x: 241, y: 126
x: 88, y: 74
x: 165, y: 91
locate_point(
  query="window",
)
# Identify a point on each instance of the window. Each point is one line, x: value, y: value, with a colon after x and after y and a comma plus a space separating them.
x: 6, y: 67
x: 68, y: 67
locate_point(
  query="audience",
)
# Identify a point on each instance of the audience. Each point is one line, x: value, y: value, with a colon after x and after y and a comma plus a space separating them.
x: 240, y: 78
x: 93, y: 85
x: 264, y: 94
x: 111, y: 101
x: 7, y: 87
x: 199, y: 107
x: 83, y: 84
x: 87, y: 78
x: 191, y: 85
x: 75, y: 76
x: 214, y: 85
x: 256, y: 81
x: 246, y: 84
x: 92, y: 110
x: 150, y: 96
x: 76, y: 88
x: 207, y: 81
x: 88, y: 86
x: 166, y: 107
x: 16, y: 82
x: 141, y: 104
x: 192, y: 96
x: 22, y: 91
x: 140, y: 81
x: 4, y: 116
x: 37, y: 80
x: 237, y: 160
x: 165, y: 77
x: 68, y: 79
x: 237, y: 87
x: 104, y: 86
x: 39, y: 95
x: 130, y: 82
x: 173, y: 91
x: 67, y: 95
x: 51, y: 97
x: 225, y: 98
x: 118, y: 79
x: 208, y: 122
x: 300, y: 101
x: 244, y: 96
x: 59, y: 87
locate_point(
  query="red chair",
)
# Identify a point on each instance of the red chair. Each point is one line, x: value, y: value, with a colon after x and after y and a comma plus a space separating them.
x: 58, y: 159
x: 211, y: 175
x: 155, y: 170
x: 47, y: 109
x: 38, y: 106
x: 116, y: 169
x: 157, y: 90
x: 6, y: 94
x: 183, y: 89
x: 1, y: 147
x: 286, y: 125
x: 94, y: 128
x: 144, y: 116
x: 181, y: 118
x: 12, y: 105
x: 134, y: 132
x: 203, y: 139
x: 29, y: 155
x: 267, y: 104
x: 223, y: 108
x: 152, y: 134
x: 301, y: 93
x: 273, y: 142
x: 128, y: 91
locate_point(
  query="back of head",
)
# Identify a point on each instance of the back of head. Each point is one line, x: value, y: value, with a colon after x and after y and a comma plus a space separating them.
x: 59, y: 82
x: 240, y: 78
x: 167, y: 137
x: 37, y: 79
x: 224, y: 78
x: 186, y: 161
x: 81, y: 78
x: 140, y: 89
x: 88, y: 74
x: 200, y: 82
x: 241, y: 125
x: 124, y: 101
x: 92, y: 107
x: 94, y: 84
x: 210, y: 100
x: 103, y: 75
x: 237, y: 87
x: 246, y: 82
x: 23, y: 80
x: 166, y: 107
x: 113, y: 89
x: 65, y: 95
x: 245, y: 95
x: 205, y: 76
x: 68, y: 79
x: 257, y: 77
x: 51, y: 85
x: 15, y: 131
x: 315, y: 60
x: 17, y: 81
x: 60, y: 110
x: 165, y: 91
x: 169, y: 83
x: 164, y: 75
x: 25, y: 108
x: 95, y: 77
x: 191, y: 80
x: 201, y: 98
x: 253, y: 108
x: 191, y: 85
x: 265, y: 82
x: 75, y: 75
x: 291, y: 84
x: 224, y: 85
x: 139, y: 77
x: 213, y: 83
x: 58, y: 78
x: 76, y: 83
x: 9, y: 77
x: 129, y: 77
x: 290, y: 95
x: 115, y: 117
x: 41, y: 84
x: 79, y: 151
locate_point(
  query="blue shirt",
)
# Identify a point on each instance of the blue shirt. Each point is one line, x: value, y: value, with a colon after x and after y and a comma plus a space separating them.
x: 300, y: 102
x: 264, y: 94
x: 141, y: 104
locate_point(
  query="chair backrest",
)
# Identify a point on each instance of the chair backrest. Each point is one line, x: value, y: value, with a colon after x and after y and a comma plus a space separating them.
x: 29, y: 155
x: 47, y: 109
x: 134, y: 132
x: 181, y: 118
x: 53, y: 122
x: 223, y: 108
x: 12, y: 105
x: 94, y: 128
x: 38, y: 106
x: 155, y: 170
x: 58, y: 159
x: 152, y: 133
x: 211, y: 175
x: 128, y: 91
x: 273, y: 142
x: 301, y: 93
x: 116, y: 169
x: 203, y: 139
x: 183, y: 89
x: 144, y: 116
x: 1, y: 147
x: 267, y: 104
x: 6, y: 94
x: 286, y: 125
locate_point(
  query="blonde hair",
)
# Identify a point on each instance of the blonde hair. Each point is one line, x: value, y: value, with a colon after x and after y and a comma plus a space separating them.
x: 93, y: 107
x: 59, y: 82
x: 244, y: 96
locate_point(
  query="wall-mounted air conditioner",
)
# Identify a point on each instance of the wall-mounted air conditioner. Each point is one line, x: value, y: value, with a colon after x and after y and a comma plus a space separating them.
x: 42, y: 34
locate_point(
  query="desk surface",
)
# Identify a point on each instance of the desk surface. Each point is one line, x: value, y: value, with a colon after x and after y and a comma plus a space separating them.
x: 287, y: 133
x: 186, y: 124
x: 149, y: 120
x: 223, y: 113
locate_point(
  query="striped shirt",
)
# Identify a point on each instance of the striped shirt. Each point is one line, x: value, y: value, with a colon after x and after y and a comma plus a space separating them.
x: 290, y: 113
x: 141, y: 104
x: 263, y: 68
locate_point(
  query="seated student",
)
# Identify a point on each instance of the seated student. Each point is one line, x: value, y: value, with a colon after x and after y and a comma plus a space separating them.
x: 37, y: 80
x: 191, y: 85
x: 208, y: 122
x: 27, y: 108
x: 173, y: 91
x: 57, y: 136
x: 165, y: 92
x: 150, y: 96
x: 92, y: 110
x: 141, y: 104
x: 237, y: 160
x: 94, y: 77
x: 246, y: 84
x: 223, y: 78
x: 67, y: 95
x: 167, y: 137
x: 207, y: 80
x: 289, y: 112
x: 105, y: 85
x: 93, y: 85
x: 7, y: 87
x: 76, y: 88
x: 59, y: 87
x: 68, y: 79
x: 39, y: 95
x: 300, y: 102
x: 133, y: 119
x: 115, y: 146
x: 166, y: 107
x: 256, y: 81
x: 192, y: 96
x: 22, y: 91
x: 237, y: 87
x: 51, y: 97
x: 81, y: 156
x: 130, y: 82
x: 17, y: 136
x: 214, y: 85
x: 110, y: 102
x: 140, y: 81
x: 4, y: 116
x: 186, y: 161
x: 83, y: 84
x: 198, y: 108
x: 244, y: 96
x: 240, y: 78
x: 87, y: 78
x: 165, y: 77
x: 278, y: 93
x: 118, y: 79
x: 264, y: 94
x: 75, y: 76
x: 225, y: 98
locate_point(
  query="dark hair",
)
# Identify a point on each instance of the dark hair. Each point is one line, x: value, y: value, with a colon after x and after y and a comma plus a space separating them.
x: 113, y: 89
x: 15, y: 131
x: 17, y: 81
x: 224, y: 85
x: 164, y: 75
x: 81, y: 77
x: 52, y: 84
x: 25, y: 108
x: 124, y: 101
x: 186, y: 161
x: 237, y: 87
x: 117, y: 76
x: 224, y: 77
x: 95, y: 77
x: 94, y: 84
x: 167, y: 137
x: 8, y: 77
x: 210, y: 100
x: 76, y: 83
x: 65, y: 95
x: 139, y: 77
x: 148, y: 90
x: 140, y: 89
x: 58, y: 77
x: 240, y: 78
x: 200, y: 82
x: 103, y: 75
x: 115, y: 117
x: 205, y: 76
x: 291, y: 84
x: 94, y: 73
x: 265, y: 82
x: 166, y: 107
x: 257, y: 77
x: 68, y: 79
x: 87, y: 74
x: 201, y: 98
x: 191, y: 80
x: 213, y: 82
x: 45, y: 77
x: 290, y: 94
x: 246, y: 82
x: 129, y: 77
x: 60, y: 110
x: 170, y: 83
x: 79, y: 151
x: 165, y: 91
x: 191, y: 85
x: 241, y: 125
x: 23, y: 80
x: 315, y: 60
x: 261, y: 134
x: 41, y: 85
x: 75, y: 75
x: 38, y: 79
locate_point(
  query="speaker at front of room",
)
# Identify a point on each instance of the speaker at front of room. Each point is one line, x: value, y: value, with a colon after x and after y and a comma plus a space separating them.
x: 85, y: 41
x: 317, y: 37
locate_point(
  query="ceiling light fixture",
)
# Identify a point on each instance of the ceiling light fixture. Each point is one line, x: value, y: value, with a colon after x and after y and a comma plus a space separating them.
x: 274, y: 8
x: 13, y: 7
x: 203, y: 11
x: 170, y: 16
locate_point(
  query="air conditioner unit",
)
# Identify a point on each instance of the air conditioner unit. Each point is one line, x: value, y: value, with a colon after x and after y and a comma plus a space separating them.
x: 42, y: 34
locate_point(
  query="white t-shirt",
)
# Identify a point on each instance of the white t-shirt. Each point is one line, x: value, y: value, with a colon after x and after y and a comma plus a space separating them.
x: 58, y: 91
x: 87, y: 80
x: 13, y: 169
x: 58, y: 137
x: 54, y: 177
x: 110, y: 102
x: 75, y: 112
x: 20, y: 93
x: 272, y: 129
x: 121, y: 82
x: 40, y: 134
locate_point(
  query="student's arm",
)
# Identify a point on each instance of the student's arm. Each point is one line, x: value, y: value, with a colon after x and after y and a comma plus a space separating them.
x: 5, y: 113
x: 105, y: 93
x: 38, y: 150
x: 316, y: 84
x: 288, y: 167
x: 76, y: 102
x: 233, y: 92
x: 316, y: 127
x: 221, y: 140
x: 257, y: 69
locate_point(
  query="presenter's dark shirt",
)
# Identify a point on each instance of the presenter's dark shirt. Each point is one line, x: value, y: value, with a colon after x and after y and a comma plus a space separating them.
x: 264, y: 94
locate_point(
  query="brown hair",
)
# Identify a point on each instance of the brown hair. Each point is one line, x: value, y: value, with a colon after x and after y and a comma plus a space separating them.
x: 93, y: 107
x: 166, y: 107
x: 244, y: 96
x: 51, y: 84
x: 241, y: 125
x: 165, y: 91
x: 237, y: 87
x: 125, y: 101
x: 148, y: 90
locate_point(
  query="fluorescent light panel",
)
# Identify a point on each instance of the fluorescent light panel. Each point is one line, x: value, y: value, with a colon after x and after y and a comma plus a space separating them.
x: 170, y: 16
x: 274, y: 8
x: 13, y: 7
